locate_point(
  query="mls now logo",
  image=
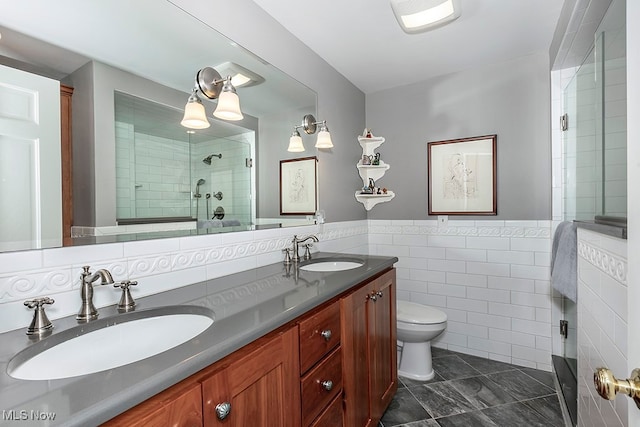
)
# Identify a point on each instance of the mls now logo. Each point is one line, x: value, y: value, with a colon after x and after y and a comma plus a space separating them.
x: 24, y: 415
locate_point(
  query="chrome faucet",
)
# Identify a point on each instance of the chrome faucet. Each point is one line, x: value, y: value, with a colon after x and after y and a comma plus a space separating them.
x: 296, y: 242
x: 88, y: 311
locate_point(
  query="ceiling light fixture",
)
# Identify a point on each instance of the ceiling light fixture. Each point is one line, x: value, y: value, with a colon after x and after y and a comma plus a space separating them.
x: 240, y: 76
x: 415, y: 16
x: 310, y: 125
x: 213, y: 86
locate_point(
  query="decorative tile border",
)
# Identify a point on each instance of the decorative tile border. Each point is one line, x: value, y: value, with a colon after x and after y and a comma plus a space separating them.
x: 31, y: 283
x: 464, y: 230
x: 612, y: 265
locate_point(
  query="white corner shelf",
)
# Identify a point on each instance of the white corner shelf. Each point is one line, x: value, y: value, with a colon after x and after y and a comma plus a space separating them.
x: 374, y: 172
x: 370, y: 144
x: 370, y: 200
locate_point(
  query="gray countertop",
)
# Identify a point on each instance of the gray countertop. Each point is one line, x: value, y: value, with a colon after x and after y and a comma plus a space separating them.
x: 247, y: 305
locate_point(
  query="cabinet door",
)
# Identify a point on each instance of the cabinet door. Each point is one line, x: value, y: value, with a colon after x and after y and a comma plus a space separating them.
x: 179, y: 406
x: 355, y: 316
x: 261, y: 389
x: 383, y: 371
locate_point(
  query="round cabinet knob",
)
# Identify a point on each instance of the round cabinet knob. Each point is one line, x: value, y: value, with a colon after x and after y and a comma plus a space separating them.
x: 222, y: 410
x: 327, y: 385
x: 373, y: 296
x: 326, y: 334
x: 608, y: 386
x: 379, y: 294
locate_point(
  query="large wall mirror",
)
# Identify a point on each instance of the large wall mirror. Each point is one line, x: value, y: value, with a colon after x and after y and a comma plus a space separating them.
x: 136, y: 172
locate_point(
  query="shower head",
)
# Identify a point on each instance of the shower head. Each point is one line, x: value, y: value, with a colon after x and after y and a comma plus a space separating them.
x: 200, y: 181
x: 207, y: 160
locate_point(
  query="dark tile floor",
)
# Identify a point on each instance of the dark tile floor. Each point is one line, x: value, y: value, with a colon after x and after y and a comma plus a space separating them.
x: 470, y: 391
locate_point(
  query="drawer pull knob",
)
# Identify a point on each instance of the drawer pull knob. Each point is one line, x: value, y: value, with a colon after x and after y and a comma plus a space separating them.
x: 327, y: 385
x: 222, y: 410
x: 326, y: 334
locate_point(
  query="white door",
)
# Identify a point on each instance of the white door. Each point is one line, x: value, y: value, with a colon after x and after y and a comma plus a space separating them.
x: 30, y: 165
x: 633, y: 196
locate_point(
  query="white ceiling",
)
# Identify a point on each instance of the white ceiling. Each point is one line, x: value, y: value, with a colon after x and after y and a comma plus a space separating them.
x: 363, y: 41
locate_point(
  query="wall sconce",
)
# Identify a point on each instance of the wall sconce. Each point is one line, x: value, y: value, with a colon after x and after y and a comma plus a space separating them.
x: 309, y: 125
x: 213, y: 86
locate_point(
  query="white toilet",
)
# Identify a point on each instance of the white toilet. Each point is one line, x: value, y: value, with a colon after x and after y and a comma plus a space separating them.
x: 417, y: 325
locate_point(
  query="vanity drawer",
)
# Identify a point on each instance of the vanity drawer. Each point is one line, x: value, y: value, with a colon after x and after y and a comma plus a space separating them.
x: 332, y: 416
x: 318, y: 335
x: 320, y: 385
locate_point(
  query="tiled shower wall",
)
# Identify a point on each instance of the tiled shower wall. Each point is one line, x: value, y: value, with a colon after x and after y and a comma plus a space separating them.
x: 157, y: 265
x: 152, y: 175
x: 490, y: 277
x: 602, y: 313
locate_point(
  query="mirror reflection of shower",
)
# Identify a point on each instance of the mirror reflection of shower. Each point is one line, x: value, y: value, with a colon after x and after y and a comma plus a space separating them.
x: 207, y: 160
x: 196, y: 193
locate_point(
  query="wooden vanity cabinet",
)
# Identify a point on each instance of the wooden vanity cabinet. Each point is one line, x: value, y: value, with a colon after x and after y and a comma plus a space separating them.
x: 178, y: 406
x: 321, y: 366
x: 370, y: 377
x: 280, y: 380
x: 261, y: 388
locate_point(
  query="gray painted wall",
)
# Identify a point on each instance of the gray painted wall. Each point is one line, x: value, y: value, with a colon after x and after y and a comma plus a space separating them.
x: 340, y: 103
x: 511, y: 100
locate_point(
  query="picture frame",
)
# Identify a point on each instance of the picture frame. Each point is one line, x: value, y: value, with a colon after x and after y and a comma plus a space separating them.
x: 299, y: 186
x: 462, y: 176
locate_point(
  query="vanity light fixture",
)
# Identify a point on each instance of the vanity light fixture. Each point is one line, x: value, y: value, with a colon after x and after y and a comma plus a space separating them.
x: 194, y: 115
x: 310, y: 125
x: 213, y: 86
x: 415, y: 16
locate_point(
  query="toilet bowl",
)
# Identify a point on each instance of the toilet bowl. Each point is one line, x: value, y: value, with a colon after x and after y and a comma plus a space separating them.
x: 417, y: 325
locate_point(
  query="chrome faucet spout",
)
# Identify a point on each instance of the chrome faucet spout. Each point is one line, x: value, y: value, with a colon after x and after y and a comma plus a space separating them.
x: 296, y: 244
x: 88, y: 311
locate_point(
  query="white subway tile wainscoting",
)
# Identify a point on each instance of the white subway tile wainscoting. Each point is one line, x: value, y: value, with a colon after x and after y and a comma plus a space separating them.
x: 490, y: 277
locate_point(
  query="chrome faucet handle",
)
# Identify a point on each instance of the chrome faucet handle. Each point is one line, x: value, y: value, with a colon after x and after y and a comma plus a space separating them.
x: 40, y: 323
x: 287, y: 256
x: 307, y: 251
x: 126, y: 300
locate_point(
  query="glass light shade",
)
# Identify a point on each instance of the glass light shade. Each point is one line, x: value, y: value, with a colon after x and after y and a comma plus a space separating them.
x: 194, y: 115
x: 228, y: 106
x: 324, y: 139
x: 295, y: 144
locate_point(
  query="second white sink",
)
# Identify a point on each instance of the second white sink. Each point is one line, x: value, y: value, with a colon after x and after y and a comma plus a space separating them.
x: 331, y: 265
x: 110, y: 343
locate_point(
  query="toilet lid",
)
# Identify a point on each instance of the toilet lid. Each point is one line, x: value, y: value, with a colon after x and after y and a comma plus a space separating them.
x: 410, y: 312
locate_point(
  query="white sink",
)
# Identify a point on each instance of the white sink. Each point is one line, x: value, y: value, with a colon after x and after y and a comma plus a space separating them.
x: 334, y: 265
x: 109, y: 343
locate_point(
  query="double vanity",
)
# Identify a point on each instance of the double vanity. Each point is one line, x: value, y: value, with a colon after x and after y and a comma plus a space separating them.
x: 308, y: 343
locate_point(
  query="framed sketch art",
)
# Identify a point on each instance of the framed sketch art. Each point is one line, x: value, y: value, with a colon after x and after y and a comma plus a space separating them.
x: 462, y: 176
x: 299, y: 186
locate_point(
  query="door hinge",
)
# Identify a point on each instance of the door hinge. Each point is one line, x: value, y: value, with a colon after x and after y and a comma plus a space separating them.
x: 564, y: 122
x: 248, y: 162
x: 564, y: 328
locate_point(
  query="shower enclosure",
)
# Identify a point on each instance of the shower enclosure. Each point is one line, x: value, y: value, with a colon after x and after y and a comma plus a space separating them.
x: 166, y: 173
x: 594, y: 143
